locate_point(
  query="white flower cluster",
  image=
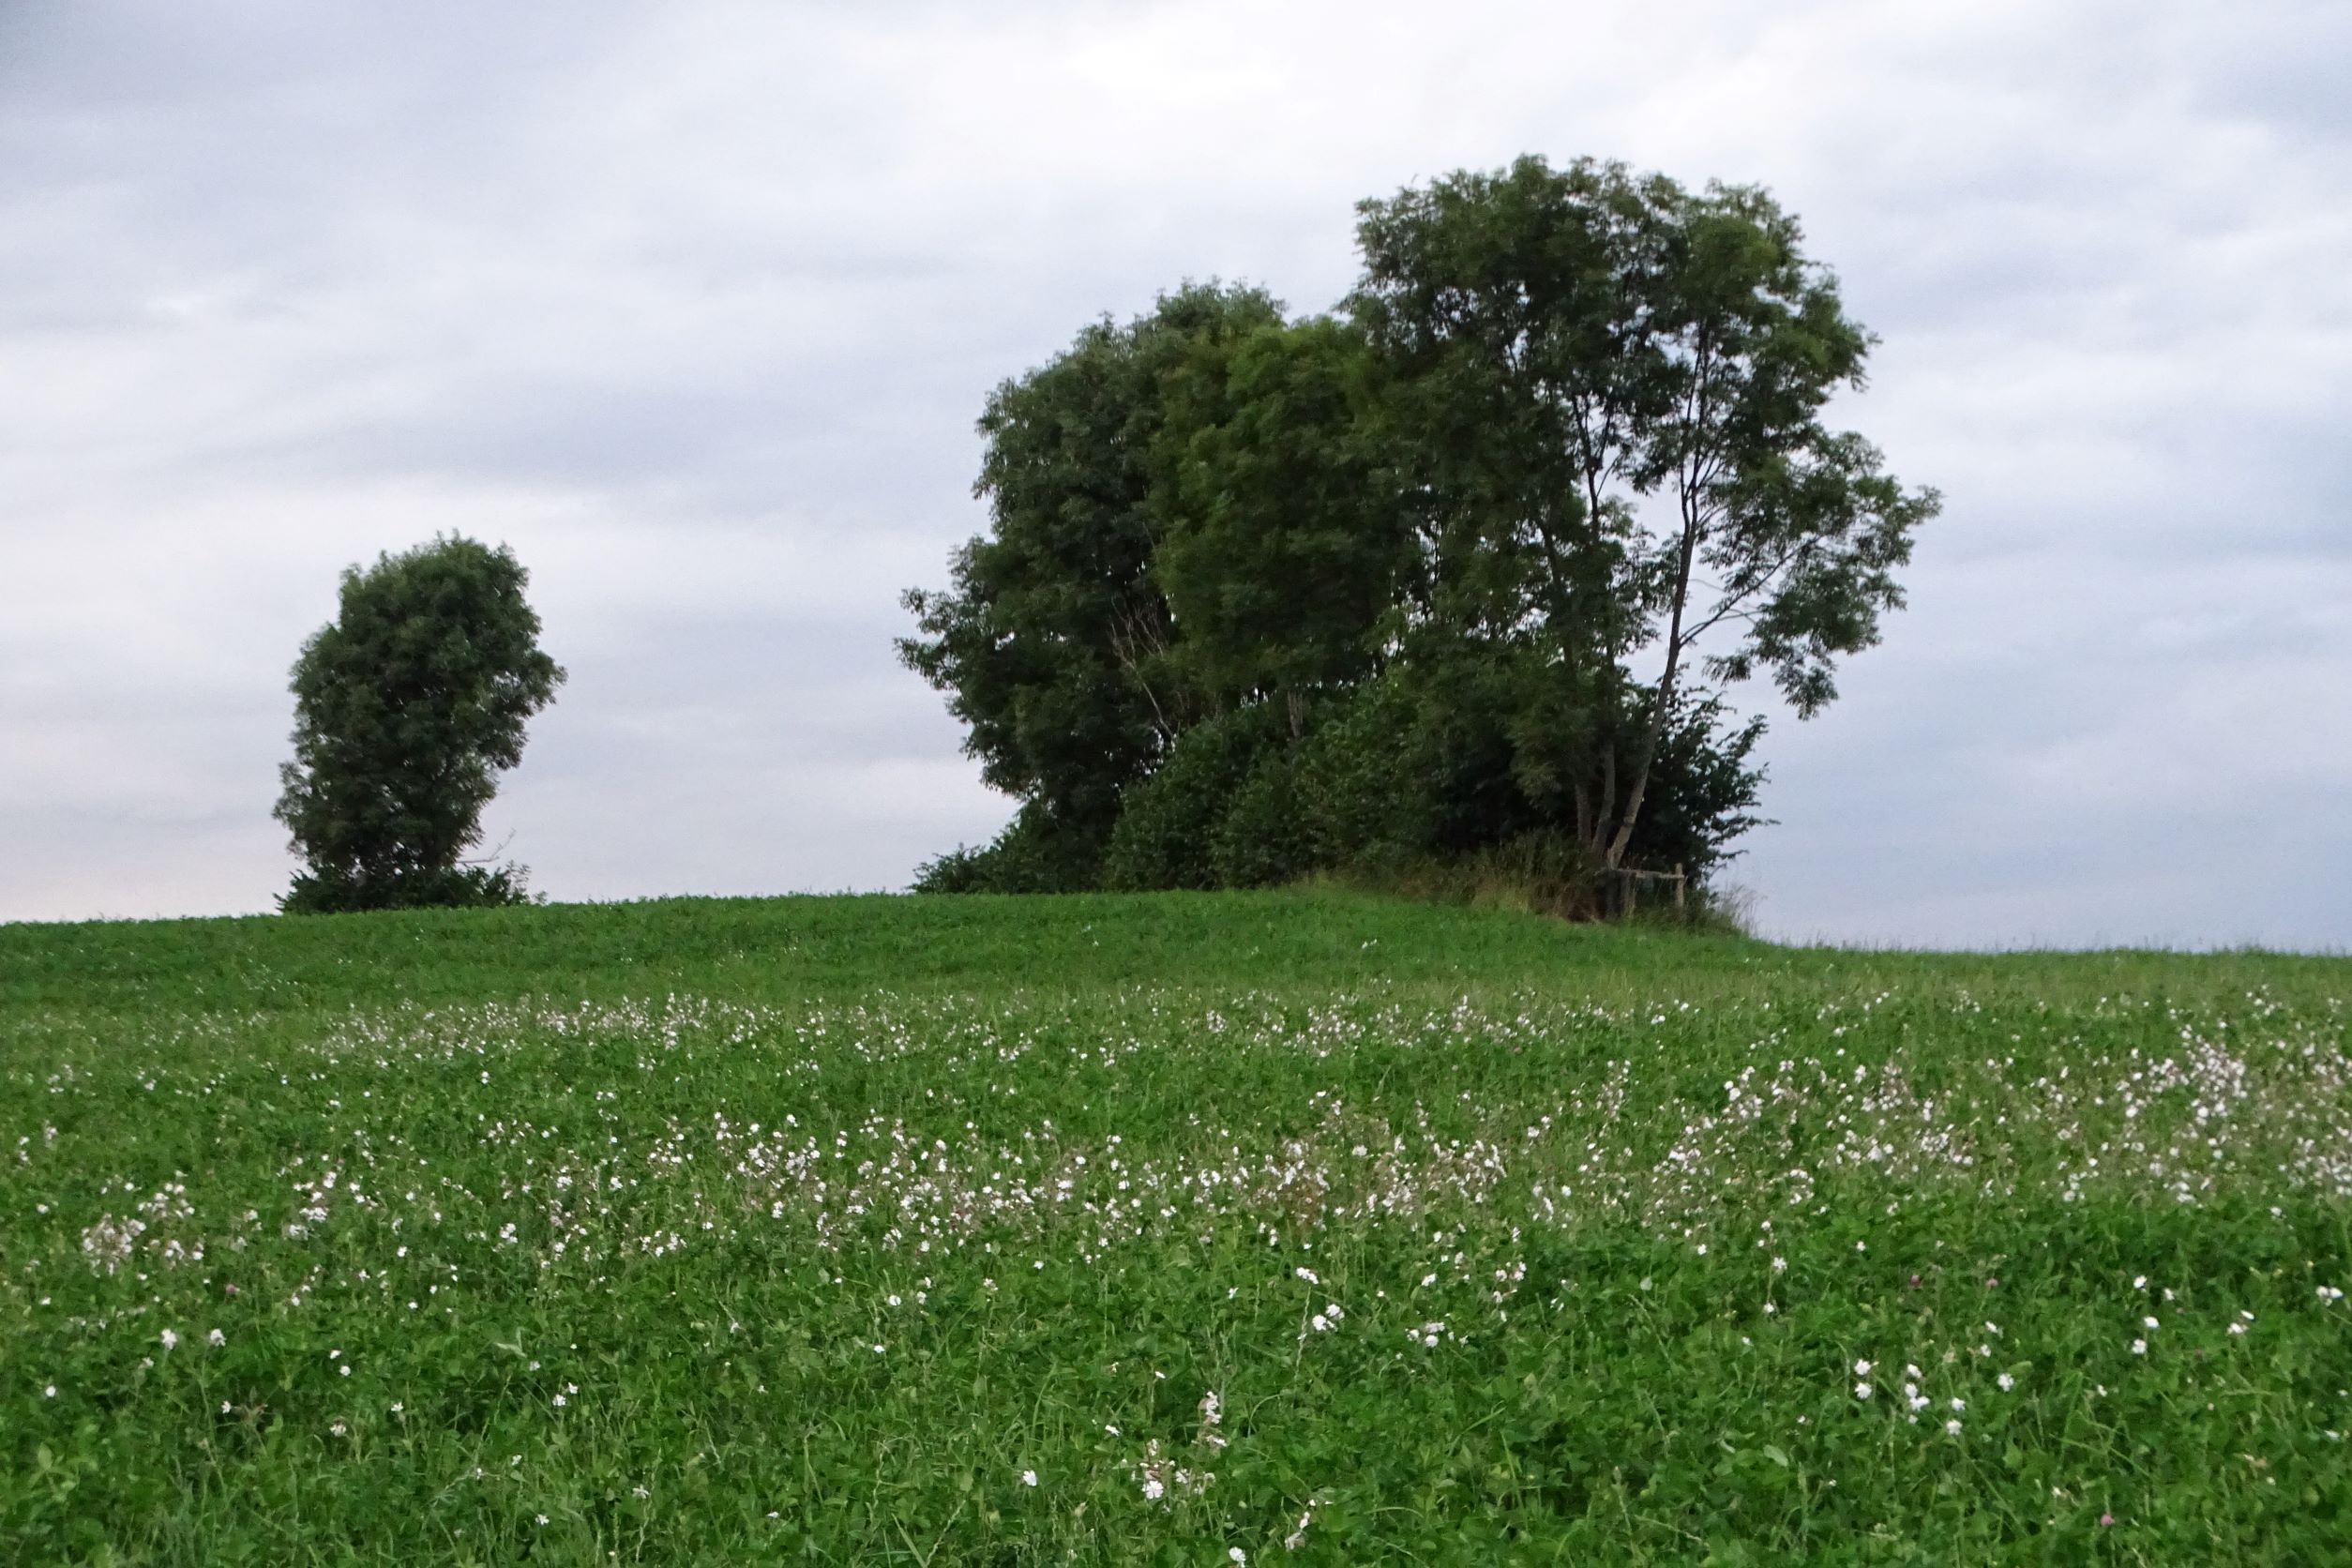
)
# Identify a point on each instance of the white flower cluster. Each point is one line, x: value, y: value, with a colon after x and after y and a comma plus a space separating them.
x: 1162, y: 1480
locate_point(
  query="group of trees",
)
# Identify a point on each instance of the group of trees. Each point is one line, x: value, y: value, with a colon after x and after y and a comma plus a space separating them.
x: 1459, y: 574
x: 1462, y: 570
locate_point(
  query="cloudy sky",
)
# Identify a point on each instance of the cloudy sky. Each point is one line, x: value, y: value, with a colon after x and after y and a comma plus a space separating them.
x: 694, y: 304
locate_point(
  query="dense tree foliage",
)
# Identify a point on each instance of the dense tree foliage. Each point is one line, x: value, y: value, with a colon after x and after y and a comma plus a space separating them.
x: 1462, y: 572
x: 1282, y: 538
x: 1054, y: 642
x: 406, y: 706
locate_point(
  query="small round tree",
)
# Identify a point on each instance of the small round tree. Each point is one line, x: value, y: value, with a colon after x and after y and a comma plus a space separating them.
x: 405, y: 706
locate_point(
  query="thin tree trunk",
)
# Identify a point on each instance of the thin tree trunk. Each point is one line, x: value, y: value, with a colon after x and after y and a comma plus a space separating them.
x: 1664, y: 698
x: 1694, y: 511
x: 1601, y: 818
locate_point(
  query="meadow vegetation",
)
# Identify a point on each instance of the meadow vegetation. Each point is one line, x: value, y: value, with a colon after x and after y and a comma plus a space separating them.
x: 1185, y: 1228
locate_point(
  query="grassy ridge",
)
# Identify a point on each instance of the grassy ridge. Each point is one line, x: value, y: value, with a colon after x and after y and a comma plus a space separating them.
x: 1314, y: 1229
x: 780, y: 949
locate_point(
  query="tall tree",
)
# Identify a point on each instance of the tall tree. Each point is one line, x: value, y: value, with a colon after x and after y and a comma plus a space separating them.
x: 1053, y: 640
x: 1283, y: 538
x: 406, y: 706
x: 1620, y: 386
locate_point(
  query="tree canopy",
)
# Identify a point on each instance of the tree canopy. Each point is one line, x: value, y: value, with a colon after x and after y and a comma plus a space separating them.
x: 1470, y: 566
x: 405, y: 707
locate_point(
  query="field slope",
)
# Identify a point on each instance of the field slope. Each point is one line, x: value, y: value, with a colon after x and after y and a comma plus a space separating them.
x: 1214, y: 1229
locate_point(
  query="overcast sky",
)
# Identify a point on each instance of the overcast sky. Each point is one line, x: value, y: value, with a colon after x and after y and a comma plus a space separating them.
x: 694, y: 304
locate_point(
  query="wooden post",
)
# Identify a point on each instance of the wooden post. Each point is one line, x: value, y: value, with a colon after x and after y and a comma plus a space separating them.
x: 1677, y: 887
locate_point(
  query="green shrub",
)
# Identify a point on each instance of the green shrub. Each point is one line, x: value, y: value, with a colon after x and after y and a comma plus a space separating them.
x: 1170, y: 823
x: 1362, y: 781
x: 334, y: 890
x: 1263, y: 839
x: 1036, y: 854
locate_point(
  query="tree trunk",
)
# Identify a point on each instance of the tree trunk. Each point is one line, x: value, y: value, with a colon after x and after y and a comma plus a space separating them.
x: 1664, y: 698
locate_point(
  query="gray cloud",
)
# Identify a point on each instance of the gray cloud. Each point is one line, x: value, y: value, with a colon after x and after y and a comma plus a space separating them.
x: 695, y: 305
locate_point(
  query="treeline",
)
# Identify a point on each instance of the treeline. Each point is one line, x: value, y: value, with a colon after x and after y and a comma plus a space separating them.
x: 1452, y: 579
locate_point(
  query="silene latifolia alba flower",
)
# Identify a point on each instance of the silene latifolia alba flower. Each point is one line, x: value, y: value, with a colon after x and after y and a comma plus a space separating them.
x: 1212, y: 1417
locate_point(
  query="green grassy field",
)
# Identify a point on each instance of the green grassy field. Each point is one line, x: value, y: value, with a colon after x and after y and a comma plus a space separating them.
x: 1270, y: 1228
